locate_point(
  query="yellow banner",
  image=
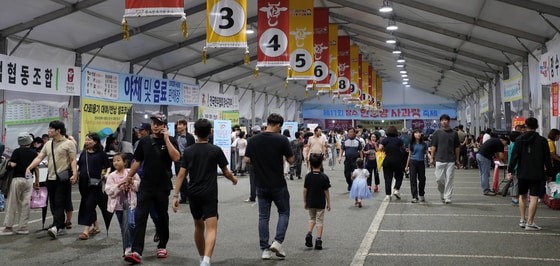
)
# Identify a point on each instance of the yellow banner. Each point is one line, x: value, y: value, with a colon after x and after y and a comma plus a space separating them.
x: 333, y: 52
x: 355, y: 70
x: 226, y: 22
x: 379, y: 92
x: 216, y: 114
x: 101, y: 117
x: 233, y: 116
x: 374, y: 86
x: 365, y: 80
x: 301, y: 40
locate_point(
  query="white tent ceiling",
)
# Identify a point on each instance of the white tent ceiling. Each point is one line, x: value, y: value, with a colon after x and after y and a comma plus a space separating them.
x: 451, y: 46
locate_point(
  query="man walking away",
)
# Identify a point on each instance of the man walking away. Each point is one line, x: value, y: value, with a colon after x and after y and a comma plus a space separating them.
x: 266, y: 152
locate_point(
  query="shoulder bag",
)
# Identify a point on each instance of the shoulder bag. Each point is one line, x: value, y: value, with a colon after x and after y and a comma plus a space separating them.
x: 93, y: 182
x: 64, y: 175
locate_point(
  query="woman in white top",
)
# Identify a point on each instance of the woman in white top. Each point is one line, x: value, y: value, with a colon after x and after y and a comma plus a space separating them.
x: 240, y: 144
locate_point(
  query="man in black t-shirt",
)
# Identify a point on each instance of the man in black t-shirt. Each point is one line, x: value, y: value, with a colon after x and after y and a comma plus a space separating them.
x: 157, y: 151
x: 266, y: 152
x: 199, y: 161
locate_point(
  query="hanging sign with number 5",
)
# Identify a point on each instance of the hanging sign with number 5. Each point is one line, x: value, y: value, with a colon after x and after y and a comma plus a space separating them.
x: 273, y: 30
x: 301, y: 39
x: 226, y: 22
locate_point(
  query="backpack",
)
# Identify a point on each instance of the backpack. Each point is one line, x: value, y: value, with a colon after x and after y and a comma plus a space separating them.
x: 3, y: 168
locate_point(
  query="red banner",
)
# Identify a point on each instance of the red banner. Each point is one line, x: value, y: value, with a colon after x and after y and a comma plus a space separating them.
x: 273, y: 29
x: 554, y: 96
x: 321, y: 48
x: 148, y: 8
x: 344, y: 65
x: 370, y: 85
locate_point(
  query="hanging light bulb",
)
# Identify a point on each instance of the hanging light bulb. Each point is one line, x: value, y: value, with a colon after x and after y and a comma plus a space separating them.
x: 386, y: 7
x: 401, y: 59
x: 392, y: 25
x: 391, y: 40
x: 407, y: 85
x: 403, y: 71
x: 249, y: 29
x: 400, y: 65
x: 397, y: 50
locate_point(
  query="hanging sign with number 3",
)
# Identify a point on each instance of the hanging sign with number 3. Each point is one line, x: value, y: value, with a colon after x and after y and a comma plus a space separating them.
x: 273, y: 29
x: 226, y: 22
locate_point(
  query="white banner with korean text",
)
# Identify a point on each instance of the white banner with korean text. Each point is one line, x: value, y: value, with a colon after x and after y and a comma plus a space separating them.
x: 24, y: 75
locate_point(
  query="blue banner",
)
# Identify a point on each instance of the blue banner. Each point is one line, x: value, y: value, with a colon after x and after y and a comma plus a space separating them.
x: 292, y: 127
x: 130, y: 88
x: 388, y: 112
x: 222, y: 138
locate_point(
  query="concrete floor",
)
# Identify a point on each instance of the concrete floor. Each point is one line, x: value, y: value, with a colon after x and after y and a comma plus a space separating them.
x: 473, y: 230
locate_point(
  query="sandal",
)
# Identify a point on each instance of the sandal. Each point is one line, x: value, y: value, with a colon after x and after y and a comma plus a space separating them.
x: 94, y: 231
x: 68, y: 225
x: 83, y: 236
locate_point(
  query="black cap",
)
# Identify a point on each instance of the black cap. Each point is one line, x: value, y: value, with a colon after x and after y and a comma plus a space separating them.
x: 143, y: 126
x: 159, y: 117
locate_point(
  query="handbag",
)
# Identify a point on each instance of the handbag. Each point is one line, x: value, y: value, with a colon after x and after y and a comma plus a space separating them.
x: 39, y: 198
x: 64, y: 175
x: 93, y: 182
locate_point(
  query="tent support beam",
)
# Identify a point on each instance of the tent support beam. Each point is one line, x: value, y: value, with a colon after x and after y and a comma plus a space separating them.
x: 21, y: 41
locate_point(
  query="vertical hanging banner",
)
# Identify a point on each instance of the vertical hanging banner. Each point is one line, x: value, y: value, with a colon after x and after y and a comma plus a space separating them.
x: 151, y: 8
x: 371, y: 86
x: 344, y: 65
x: 273, y: 29
x: 147, y: 8
x: 355, y: 71
x: 374, y: 86
x: 321, y: 49
x: 333, y: 56
x: 365, y: 82
x: 226, y: 22
x: 301, y: 39
x: 379, y: 92
x: 554, y: 96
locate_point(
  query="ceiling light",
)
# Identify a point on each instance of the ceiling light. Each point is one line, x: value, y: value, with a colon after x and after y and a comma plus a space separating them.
x: 391, y: 41
x: 400, y: 65
x: 249, y: 30
x: 392, y: 25
x: 405, y: 79
x: 397, y: 51
x: 401, y: 59
x: 407, y: 85
x: 404, y: 75
x: 403, y: 71
x: 386, y: 7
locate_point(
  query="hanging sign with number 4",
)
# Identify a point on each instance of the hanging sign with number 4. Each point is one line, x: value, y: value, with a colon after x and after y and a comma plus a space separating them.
x: 226, y: 22
x: 273, y: 30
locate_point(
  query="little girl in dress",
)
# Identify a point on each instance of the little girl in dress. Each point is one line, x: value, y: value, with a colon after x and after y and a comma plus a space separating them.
x: 360, y: 188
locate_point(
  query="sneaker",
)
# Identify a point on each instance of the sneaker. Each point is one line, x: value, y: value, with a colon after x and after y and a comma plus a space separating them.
x: 397, y: 194
x: 422, y: 199
x: 276, y: 247
x: 6, y: 232
x: 23, y: 231
x: 309, y: 240
x: 387, y: 198
x: 133, y: 258
x: 532, y: 227
x: 490, y: 193
x: 515, y: 202
x: 127, y: 252
x: 441, y: 196
x: 522, y: 223
x: 53, y: 232
x: 267, y: 254
x: 204, y: 263
x: 447, y: 201
x: 414, y: 200
x: 318, y: 244
x: 248, y: 201
x: 376, y: 188
x: 161, y: 253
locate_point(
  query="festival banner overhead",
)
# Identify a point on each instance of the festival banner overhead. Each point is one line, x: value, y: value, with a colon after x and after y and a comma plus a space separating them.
x: 512, y: 89
x: 19, y: 74
x: 301, y: 40
x: 365, y: 81
x: 344, y: 65
x: 370, y: 86
x: 273, y: 29
x: 151, y: 8
x: 379, y: 92
x: 226, y: 25
x: 417, y: 111
x: 321, y: 49
x: 333, y: 56
x: 101, y: 116
x: 355, y: 71
x: 374, y: 86
x: 130, y: 88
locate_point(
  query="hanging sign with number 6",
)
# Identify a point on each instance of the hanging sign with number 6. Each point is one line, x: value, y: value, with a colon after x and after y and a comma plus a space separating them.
x: 321, y: 49
x: 226, y: 22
